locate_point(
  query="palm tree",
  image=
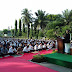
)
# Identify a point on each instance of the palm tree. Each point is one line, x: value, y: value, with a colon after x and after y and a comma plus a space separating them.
x: 23, y: 28
x: 35, y: 27
x: 26, y: 19
x: 67, y: 15
x: 42, y: 19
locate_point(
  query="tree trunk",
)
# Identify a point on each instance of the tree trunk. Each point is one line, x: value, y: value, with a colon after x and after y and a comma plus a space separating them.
x: 32, y: 29
x: 28, y: 31
x: 23, y: 28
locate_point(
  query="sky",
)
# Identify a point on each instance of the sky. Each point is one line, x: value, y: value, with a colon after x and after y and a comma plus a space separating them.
x: 11, y: 9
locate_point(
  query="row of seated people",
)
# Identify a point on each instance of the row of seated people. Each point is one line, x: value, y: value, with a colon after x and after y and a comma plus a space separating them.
x: 26, y: 49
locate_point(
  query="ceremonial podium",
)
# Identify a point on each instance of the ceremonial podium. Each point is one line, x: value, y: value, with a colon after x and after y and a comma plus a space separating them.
x: 71, y: 51
x: 60, y: 45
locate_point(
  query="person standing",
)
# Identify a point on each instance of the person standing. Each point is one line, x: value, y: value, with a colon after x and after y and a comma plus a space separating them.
x: 67, y: 42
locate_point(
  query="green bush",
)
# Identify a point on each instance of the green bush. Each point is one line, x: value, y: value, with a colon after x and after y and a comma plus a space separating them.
x: 31, y: 33
x: 50, y: 33
x: 64, y: 28
x: 17, y: 34
x: 39, y: 58
x: 5, y: 31
x: 55, y: 51
x: 24, y: 35
x: 40, y: 34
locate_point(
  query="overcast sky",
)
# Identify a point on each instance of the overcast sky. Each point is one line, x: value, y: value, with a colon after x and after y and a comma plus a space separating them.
x: 11, y: 9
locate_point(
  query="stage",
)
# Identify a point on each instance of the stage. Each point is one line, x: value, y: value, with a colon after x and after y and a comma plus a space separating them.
x: 59, y: 59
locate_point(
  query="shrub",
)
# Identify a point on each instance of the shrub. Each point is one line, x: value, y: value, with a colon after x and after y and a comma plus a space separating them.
x: 40, y: 34
x: 50, y: 33
x: 54, y: 51
x: 39, y: 58
x: 64, y: 28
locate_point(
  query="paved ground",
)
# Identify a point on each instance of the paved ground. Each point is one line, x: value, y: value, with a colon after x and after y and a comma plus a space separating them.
x: 55, y: 67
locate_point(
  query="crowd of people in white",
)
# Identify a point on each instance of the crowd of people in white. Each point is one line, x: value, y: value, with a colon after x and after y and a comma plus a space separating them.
x: 10, y: 46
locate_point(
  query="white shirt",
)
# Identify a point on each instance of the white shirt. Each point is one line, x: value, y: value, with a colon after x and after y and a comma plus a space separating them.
x: 35, y: 47
x: 20, y: 44
x: 30, y: 47
x: 26, y: 49
x: 44, y: 46
x: 47, y: 45
x: 50, y: 46
x: 11, y: 50
x: 11, y: 44
x: 40, y: 47
x: 15, y: 44
x: 28, y: 42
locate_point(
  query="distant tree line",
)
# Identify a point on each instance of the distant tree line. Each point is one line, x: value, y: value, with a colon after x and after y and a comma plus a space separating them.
x: 43, y: 25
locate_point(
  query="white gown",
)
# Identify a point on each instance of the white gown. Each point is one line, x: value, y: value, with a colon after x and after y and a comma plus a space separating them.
x: 67, y: 47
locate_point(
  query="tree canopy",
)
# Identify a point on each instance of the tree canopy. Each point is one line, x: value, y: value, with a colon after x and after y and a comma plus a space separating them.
x: 43, y: 24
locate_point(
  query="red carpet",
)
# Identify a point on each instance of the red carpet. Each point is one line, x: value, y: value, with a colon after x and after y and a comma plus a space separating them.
x: 28, y: 56
x: 6, y: 57
x: 21, y: 65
